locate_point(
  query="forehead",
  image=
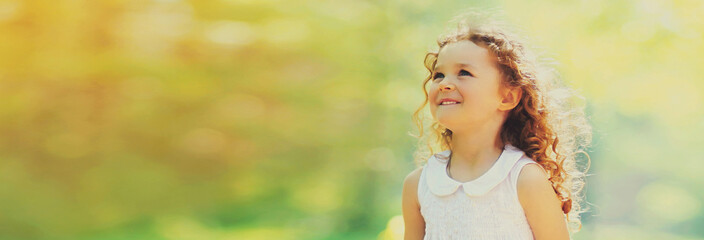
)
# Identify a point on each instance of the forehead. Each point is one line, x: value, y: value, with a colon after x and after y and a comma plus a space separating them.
x: 465, y: 52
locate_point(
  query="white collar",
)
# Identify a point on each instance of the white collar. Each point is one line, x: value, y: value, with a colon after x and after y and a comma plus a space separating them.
x: 441, y: 184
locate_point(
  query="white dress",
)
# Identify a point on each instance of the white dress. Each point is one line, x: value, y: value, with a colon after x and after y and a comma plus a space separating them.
x: 484, y: 208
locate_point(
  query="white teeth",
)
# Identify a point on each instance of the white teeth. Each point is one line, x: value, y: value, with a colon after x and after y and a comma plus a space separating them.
x: 447, y: 103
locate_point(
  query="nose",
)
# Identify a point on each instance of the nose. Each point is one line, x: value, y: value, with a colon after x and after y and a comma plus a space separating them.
x: 447, y: 87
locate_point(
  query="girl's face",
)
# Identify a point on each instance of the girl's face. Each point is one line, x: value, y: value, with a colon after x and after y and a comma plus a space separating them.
x: 467, y: 73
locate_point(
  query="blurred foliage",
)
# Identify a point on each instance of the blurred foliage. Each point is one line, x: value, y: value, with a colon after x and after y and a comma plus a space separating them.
x: 269, y: 119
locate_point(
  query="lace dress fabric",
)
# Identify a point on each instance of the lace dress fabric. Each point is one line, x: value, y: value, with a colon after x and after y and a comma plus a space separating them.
x: 484, y: 208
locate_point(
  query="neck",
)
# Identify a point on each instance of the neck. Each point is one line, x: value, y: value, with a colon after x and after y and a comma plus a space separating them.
x: 477, y: 146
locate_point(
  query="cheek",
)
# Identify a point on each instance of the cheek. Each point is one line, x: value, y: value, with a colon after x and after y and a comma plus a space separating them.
x: 432, y: 92
x: 432, y: 88
x: 474, y: 100
x: 432, y: 95
x: 482, y: 101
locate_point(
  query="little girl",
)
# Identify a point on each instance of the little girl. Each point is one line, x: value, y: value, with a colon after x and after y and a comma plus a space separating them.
x: 508, y: 135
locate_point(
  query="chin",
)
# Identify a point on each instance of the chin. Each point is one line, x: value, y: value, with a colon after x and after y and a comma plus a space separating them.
x: 446, y: 122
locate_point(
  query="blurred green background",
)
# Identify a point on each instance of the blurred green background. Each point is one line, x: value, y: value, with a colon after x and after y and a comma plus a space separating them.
x: 270, y: 119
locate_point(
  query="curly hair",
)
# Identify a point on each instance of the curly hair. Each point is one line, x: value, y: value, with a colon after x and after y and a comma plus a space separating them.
x: 547, y: 124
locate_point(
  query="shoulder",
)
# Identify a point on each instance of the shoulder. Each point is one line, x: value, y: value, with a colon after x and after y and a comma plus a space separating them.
x: 540, y: 203
x: 410, y: 188
x: 412, y: 178
x: 532, y: 173
x: 534, y: 186
x: 410, y: 184
x: 412, y: 217
x: 532, y: 177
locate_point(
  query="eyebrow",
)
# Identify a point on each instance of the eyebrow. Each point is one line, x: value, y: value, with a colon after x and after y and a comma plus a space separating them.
x: 459, y: 64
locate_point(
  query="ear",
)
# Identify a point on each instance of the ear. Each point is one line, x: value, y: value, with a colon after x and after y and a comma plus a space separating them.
x: 510, y: 97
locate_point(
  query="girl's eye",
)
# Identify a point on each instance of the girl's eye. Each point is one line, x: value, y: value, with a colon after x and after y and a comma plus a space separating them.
x: 464, y: 72
x: 438, y: 75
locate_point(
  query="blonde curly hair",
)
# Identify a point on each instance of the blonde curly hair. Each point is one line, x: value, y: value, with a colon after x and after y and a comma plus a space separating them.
x: 546, y: 124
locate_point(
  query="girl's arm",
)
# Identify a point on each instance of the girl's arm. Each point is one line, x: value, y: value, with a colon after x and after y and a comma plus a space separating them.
x: 413, y: 220
x: 541, y: 205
